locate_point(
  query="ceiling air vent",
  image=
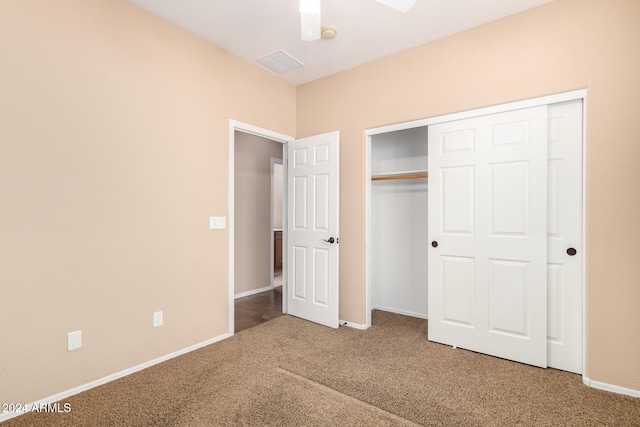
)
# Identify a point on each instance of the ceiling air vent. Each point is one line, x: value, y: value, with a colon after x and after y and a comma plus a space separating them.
x: 280, y: 62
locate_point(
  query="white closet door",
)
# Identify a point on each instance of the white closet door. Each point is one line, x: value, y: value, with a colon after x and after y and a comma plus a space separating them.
x: 312, y: 241
x: 564, y: 233
x: 488, y: 218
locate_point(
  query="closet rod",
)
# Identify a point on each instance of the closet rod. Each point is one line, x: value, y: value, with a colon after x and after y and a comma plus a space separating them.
x: 411, y: 176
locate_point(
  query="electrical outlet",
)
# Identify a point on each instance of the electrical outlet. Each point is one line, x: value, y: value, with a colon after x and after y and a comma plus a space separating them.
x: 74, y: 340
x: 157, y: 319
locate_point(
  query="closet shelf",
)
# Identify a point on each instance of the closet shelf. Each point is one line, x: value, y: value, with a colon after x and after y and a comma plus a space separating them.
x: 400, y: 175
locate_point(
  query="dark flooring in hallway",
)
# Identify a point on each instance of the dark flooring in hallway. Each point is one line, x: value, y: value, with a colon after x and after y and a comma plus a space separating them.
x: 255, y: 309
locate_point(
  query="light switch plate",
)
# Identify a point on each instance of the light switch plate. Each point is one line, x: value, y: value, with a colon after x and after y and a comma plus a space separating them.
x: 74, y: 340
x: 217, y: 222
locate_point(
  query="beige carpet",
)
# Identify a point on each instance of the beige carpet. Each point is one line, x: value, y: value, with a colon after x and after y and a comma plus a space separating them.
x: 292, y: 372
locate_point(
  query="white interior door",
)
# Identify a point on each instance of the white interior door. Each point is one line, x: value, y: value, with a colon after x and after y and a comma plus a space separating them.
x: 565, y: 233
x: 488, y: 227
x: 312, y: 238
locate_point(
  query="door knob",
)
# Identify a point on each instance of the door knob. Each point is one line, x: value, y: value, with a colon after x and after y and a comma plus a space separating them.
x: 571, y: 251
x: 331, y: 240
x: 434, y: 244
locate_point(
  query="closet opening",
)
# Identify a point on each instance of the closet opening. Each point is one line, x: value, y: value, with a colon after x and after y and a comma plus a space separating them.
x: 399, y: 241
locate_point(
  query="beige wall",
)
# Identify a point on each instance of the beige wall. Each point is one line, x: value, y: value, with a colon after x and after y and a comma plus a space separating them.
x: 562, y: 46
x: 252, y: 219
x: 113, y: 154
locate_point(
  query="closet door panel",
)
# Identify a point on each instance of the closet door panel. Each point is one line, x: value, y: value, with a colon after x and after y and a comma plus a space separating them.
x: 564, y: 272
x: 509, y: 285
x: 493, y: 215
x: 510, y: 199
x: 458, y: 141
x: 458, y: 280
x: 458, y: 199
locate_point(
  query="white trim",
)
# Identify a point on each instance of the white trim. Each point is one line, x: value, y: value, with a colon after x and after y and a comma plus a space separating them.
x: 584, y: 235
x: 534, y: 102
x: 494, y: 109
x: 234, y: 126
x: 367, y: 228
x: 403, y: 312
x: 274, y: 161
x: 254, y: 130
x: 612, y: 388
x: 254, y: 291
x: 230, y: 222
x: 285, y: 213
x: 67, y: 393
x: 353, y: 325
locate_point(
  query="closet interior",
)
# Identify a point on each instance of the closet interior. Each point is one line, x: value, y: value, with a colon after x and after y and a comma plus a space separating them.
x: 399, y: 240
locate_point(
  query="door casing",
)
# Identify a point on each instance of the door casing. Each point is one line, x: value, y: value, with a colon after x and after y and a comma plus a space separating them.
x: 274, y: 162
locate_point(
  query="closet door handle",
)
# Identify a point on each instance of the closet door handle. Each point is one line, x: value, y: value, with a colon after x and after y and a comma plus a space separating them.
x: 434, y: 244
x: 331, y: 240
x: 571, y: 251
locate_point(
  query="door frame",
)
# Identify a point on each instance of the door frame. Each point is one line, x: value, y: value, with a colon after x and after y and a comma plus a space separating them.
x: 234, y: 126
x: 275, y: 161
x: 580, y: 94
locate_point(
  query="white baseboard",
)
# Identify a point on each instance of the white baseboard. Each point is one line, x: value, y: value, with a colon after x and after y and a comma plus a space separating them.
x: 610, y: 387
x: 253, y: 292
x: 63, y: 395
x: 403, y: 312
x: 352, y: 325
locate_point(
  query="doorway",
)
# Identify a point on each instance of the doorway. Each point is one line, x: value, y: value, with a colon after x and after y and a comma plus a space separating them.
x: 310, y: 240
x: 251, y: 219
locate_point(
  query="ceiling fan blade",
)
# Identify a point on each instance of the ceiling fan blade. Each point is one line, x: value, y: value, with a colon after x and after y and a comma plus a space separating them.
x: 310, y: 19
x: 399, y: 5
x: 309, y: 26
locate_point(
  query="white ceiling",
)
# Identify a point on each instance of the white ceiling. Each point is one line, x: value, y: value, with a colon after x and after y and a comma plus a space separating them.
x: 367, y: 30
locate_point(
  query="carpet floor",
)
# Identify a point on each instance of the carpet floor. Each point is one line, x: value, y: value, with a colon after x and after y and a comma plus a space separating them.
x: 290, y: 372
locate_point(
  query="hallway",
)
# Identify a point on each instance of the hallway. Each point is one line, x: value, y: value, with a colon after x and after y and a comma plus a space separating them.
x: 255, y: 309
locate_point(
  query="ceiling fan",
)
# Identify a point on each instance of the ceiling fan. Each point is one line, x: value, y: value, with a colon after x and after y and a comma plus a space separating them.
x: 310, y: 22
